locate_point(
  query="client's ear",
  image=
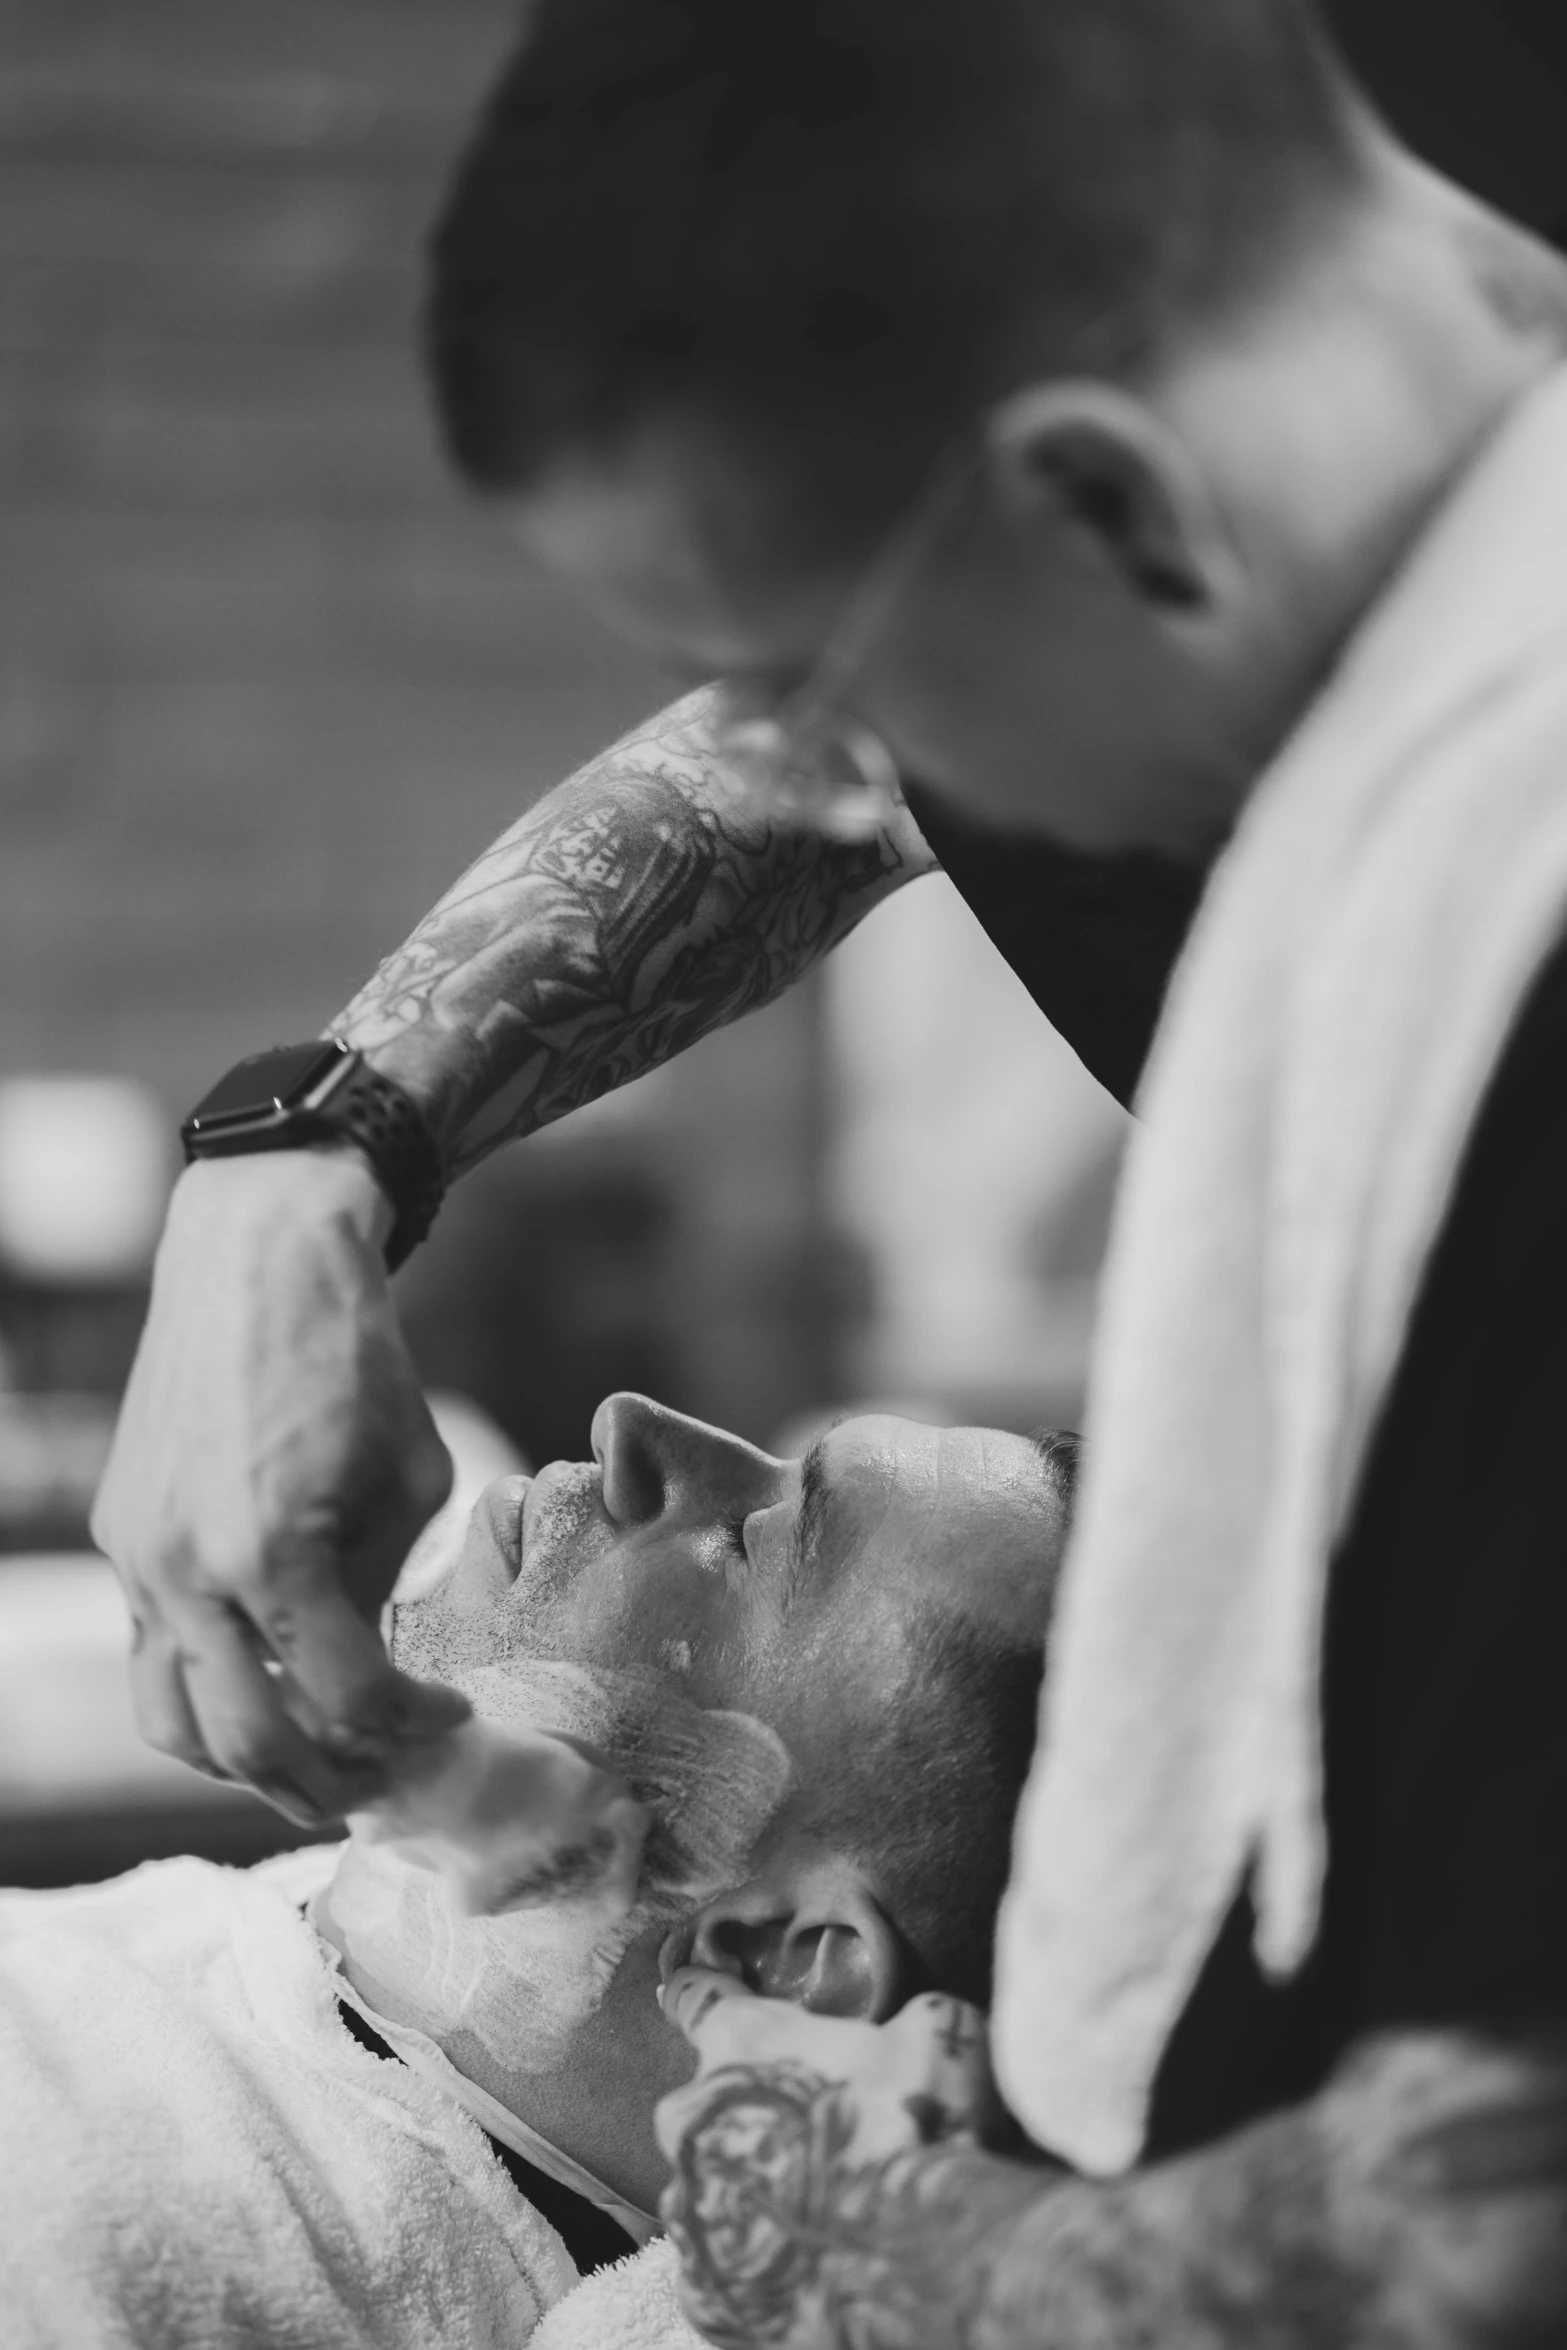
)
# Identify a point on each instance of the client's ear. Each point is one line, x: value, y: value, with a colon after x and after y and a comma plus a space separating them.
x: 807, y: 1929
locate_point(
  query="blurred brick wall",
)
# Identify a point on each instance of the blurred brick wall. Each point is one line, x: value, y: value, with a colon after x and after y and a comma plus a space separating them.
x: 267, y: 679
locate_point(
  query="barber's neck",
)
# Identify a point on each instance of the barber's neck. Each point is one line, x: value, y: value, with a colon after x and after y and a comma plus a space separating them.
x: 1334, y: 419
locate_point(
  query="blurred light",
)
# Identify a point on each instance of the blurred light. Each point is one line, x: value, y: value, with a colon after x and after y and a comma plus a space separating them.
x: 68, y: 1737
x: 85, y: 1169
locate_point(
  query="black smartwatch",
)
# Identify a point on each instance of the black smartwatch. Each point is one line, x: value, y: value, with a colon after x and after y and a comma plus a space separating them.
x: 326, y: 1092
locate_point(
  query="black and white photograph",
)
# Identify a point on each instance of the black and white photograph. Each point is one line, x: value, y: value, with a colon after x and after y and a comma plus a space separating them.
x: 783, y: 1175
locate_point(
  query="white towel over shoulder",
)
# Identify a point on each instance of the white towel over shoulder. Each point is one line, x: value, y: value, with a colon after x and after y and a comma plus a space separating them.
x: 195, y: 2155
x: 1358, y: 961
x: 633, y: 2305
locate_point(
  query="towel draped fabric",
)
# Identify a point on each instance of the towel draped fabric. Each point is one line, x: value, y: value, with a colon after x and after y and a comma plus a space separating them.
x: 1355, y: 968
x: 197, y: 2155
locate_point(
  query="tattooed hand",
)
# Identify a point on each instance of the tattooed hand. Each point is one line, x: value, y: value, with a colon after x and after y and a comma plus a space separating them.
x: 1419, y: 2203
x: 917, y: 2080
x: 805, y: 2151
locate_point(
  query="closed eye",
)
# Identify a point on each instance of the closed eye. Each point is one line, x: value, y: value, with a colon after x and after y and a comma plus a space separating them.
x: 734, y: 1535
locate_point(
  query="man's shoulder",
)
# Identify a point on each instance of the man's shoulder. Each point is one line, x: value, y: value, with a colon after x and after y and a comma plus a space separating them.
x: 192, y: 2147
x: 112, y: 1907
x: 1481, y: 596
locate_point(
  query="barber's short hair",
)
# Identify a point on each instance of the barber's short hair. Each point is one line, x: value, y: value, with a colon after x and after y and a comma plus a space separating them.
x: 939, y: 1776
x: 835, y: 229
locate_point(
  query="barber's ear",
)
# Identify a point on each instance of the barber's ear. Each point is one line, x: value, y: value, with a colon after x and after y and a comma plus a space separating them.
x: 808, y: 1929
x: 1086, y: 458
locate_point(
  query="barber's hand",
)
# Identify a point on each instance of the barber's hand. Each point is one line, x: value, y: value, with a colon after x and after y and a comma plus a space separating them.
x: 273, y: 1462
x: 792, y: 2129
x: 923, y: 2076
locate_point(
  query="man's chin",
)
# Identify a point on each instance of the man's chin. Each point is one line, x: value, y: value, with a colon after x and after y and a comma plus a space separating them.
x: 471, y: 1616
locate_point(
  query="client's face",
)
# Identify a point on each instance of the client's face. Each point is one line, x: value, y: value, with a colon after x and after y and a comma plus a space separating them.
x: 720, y: 1623
x: 777, y: 1588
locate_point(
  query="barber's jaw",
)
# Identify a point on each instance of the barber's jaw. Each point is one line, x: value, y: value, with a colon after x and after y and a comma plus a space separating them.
x: 683, y: 1567
x: 1117, y: 620
x: 1065, y: 654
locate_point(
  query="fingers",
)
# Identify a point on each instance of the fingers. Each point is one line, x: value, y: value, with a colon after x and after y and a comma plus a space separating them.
x: 729, y: 2025
x: 273, y: 1461
x: 303, y: 1705
x: 163, y: 1711
x: 226, y: 1712
x: 937, y: 2040
x: 733, y: 2030
x: 942, y: 2044
x: 922, y: 2077
x: 338, y: 1662
x: 693, y: 1992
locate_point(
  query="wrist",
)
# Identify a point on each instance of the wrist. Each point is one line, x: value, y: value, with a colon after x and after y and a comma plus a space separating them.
x: 316, y: 1185
x: 294, y: 1097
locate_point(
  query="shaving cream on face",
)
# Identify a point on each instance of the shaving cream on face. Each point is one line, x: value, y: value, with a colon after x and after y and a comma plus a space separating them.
x: 523, y: 1984
x: 512, y: 1819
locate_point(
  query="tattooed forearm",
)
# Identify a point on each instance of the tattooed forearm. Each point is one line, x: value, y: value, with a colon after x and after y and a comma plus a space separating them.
x: 1420, y: 2203
x: 634, y: 909
x: 788, y: 2238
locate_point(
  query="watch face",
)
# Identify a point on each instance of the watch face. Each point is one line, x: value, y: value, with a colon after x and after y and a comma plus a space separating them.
x: 266, y: 1084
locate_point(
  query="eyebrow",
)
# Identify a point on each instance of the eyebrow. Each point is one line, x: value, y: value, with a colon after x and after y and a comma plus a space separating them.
x: 810, y: 1519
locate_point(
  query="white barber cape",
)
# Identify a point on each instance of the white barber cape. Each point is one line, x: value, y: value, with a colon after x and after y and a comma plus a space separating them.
x: 195, y: 2154
x: 1355, y: 969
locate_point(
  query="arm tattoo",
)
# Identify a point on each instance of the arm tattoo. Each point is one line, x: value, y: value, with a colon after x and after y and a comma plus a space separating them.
x: 634, y: 909
x: 1421, y: 2200
x: 786, y: 2239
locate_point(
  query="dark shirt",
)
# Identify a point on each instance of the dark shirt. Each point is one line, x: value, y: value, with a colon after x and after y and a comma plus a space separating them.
x: 1445, y: 1730
x: 1093, y: 939
x: 1445, y: 1727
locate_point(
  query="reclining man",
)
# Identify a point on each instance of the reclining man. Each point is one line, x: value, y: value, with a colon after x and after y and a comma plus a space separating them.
x: 221, y: 2126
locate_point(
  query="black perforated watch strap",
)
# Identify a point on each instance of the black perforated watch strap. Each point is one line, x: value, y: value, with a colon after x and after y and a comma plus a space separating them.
x: 374, y: 1112
x: 327, y: 1092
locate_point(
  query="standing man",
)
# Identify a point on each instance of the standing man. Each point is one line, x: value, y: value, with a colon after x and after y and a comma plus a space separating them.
x: 275, y: 1457
x: 1090, y: 398
x: 1087, y: 406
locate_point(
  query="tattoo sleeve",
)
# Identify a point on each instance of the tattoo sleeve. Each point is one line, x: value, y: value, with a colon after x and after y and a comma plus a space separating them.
x: 632, y: 910
x: 1419, y: 2203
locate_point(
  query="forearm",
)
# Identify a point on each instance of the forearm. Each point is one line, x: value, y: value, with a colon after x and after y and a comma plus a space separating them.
x: 1237, y: 2246
x: 952, y: 2248
x: 632, y: 910
x: 1419, y: 2203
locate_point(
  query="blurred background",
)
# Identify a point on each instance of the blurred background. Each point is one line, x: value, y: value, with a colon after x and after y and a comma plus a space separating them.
x: 267, y: 681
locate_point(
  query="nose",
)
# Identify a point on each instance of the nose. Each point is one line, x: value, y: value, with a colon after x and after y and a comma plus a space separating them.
x: 652, y: 1460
